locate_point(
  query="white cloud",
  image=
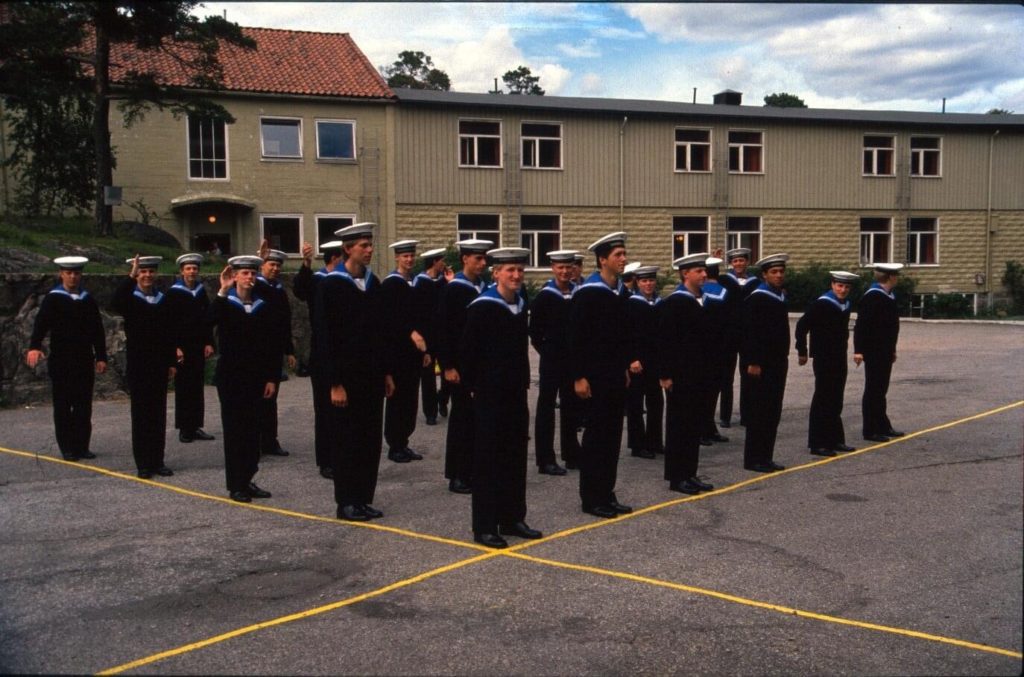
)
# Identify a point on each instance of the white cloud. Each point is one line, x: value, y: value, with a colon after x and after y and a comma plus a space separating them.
x: 553, y: 77
x: 591, y: 85
x: 586, y: 49
x: 617, y: 33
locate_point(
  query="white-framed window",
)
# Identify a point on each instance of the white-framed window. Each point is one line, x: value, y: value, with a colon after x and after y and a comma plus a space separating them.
x: 335, y: 139
x: 879, y: 155
x: 689, y: 235
x: 326, y: 224
x: 479, y: 143
x: 875, y: 239
x: 926, y: 156
x: 540, y: 233
x: 923, y: 241
x: 281, y: 138
x: 693, y: 150
x: 283, y: 232
x: 744, y: 231
x: 207, y: 149
x: 542, y: 145
x: 746, y: 149
x: 480, y: 226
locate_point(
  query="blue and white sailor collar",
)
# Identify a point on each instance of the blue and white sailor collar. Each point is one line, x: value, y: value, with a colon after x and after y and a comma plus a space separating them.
x: 395, y: 273
x: 640, y: 298
x: 276, y: 284
x: 596, y: 281
x: 180, y: 285
x: 830, y: 297
x: 479, y: 285
x: 73, y: 295
x: 714, y: 292
x: 681, y: 290
x: 491, y: 295
x: 365, y: 283
x: 322, y: 272
x: 765, y: 288
x: 552, y: 287
x: 743, y: 281
x: 249, y: 308
x: 876, y: 287
x: 151, y: 299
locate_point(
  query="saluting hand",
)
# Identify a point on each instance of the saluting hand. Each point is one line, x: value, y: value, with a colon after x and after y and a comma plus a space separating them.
x: 264, y: 249
x: 307, y: 254
x: 134, y: 273
x: 227, y: 280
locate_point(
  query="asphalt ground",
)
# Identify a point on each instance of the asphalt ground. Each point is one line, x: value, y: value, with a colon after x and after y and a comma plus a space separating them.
x: 901, y: 558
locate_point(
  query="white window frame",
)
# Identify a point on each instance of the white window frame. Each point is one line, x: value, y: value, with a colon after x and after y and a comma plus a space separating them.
x: 281, y: 158
x: 915, y: 235
x: 920, y: 153
x: 871, y: 235
x: 476, y: 151
x: 689, y: 151
x: 537, y: 141
x: 274, y: 215
x: 189, y: 158
x: 355, y: 150
x: 874, y: 150
x: 535, y: 253
x: 316, y: 223
x: 465, y: 235
x: 734, y: 239
x: 741, y: 146
x: 687, y: 248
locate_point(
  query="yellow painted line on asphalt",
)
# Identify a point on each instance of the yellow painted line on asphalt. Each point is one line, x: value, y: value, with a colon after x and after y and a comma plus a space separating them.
x: 238, y: 632
x: 789, y: 611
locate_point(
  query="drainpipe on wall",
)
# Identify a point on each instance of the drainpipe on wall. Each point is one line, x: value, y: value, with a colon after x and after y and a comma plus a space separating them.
x: 988, y: 225
x: 622, y: 174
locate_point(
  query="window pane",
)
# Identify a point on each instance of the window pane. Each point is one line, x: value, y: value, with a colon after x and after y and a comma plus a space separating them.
x: 928, y: 248
x: 734, y: 159
x: 681, y: 159
x: 745, y: 137
x: 534, y: 129
x: 326, y: 225
x: 751, y: 158
x: 931, y: 163
x: 282, y: 232
x: 920, y: 224
x: 550, y: 153
x: 881, y: 249
x: 698, y: 242
x: 885, y: 162
x: 924, y: 142
x: 743, y: 223
x: 479, y: 222
x: 700, y: 158
x: 529, y: 153
x: 547, y: 242
x: 466, y: 154
x: 539, y: 222
x: 878, y: 141
x: 477, y: 127
x: 693, y: 135
x: 690, y: 223
x: 336, y: 140
x: 280, y: 138
x: 874, y: 224
x: 488, y: 152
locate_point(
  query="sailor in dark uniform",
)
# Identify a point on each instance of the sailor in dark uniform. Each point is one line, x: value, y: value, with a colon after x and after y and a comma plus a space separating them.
x: 577, y: 277
x: 827, y: 320
x: 357, y: 351
x: 70, y: 316
x: 270, y: 288
x: 427, y: 286
x: 187, y: 303
x: 716, y: 310
x: 451, y: 320
x: 304, y: 288
x: 874, y: 343
x: 765, y: 351
x: 629, y: 277
x: 601, y: 350
x: 151, y: 362
x: 495, y: 370
x: 644, y: 438
x: 549, y: 322
x: 739, y: 286
x: 247, y: 370
x: 398, y: 300
x: 686, y: 373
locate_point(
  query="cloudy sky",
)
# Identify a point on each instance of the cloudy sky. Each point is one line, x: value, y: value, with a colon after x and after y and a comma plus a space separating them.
x: 874, y: 56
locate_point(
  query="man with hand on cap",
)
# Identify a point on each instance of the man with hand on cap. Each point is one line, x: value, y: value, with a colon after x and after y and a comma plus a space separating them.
x: 78, y: 351
x: 629, y: 277
x: 739, y: 286
x: 410, y: 352
x: 874, y: 343
x: 685, y: 371
x: 549, y: 320
x: 495, y: 371
x: 247, y: 371
x: 765, y: 351
x: 358, y: 353
x: 304, y: 287
x: 187, y: 304
x: 601, y: 350
x: 827, y: 320
x: 451, y: 321
x: 271, y: 290
x: 644, y: 439
x: 151, y: 362
x: 577, y: 276
x: 428, y: 286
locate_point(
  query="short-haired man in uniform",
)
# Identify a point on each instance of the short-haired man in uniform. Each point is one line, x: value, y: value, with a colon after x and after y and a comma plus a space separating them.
x: 270, y: 288
x: 78, y: 351
x: 187, y: 304
x: 427, y: 286
x: 644, y: 438
x: 577, y: 277
x: 739, y: 285
x: 714, y: 295
x: 874, y: 343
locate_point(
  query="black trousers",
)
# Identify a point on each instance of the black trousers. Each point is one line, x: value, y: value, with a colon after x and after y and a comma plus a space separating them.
x: 148, y: 392
x: 502, y: 422
x: 644, y: 393
x: 553, y: 384
x: 602, y: 438
x: 400, y: 408
x: 72, y: 405
x: 267, y: 424
x: 877, y: 372
x: 321, y: 417
x: 458, y: 448
x: 356, y: 440
x: 685, y: 408
x: 730, y: 358
x: 240, y: 406
x: 189, y: 404
x: 825, y: 427
x: 432, y: 395
x: 764, y: 412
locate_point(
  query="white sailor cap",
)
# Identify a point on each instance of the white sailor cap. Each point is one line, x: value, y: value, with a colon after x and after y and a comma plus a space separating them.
x: 333, y: 244
x: 433, y: 254
x: 713, y: 261
x: 607, y: 243
x: 189, y: 258
x: 71, y: 262
x: 562, y: 256
x: 404, y: 246
x: 474, y: 246
x: 891, y: 268
x: 773, y: 261
x: 646, y: 272
x: 277, y: 255
x: 739, y: 252
x: 146, y: 261
x: 357, y: 231
x: 245, y: 262
x: 630, y: 270
x: 691, y: 261
x: 508, y: 255
x: 580, y: 258
x: 843, y: 276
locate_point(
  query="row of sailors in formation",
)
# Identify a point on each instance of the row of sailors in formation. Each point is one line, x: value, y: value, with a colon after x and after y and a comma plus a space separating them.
x: 376, y: 343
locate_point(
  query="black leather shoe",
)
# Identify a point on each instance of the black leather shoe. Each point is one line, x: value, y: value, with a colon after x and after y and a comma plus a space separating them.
x: 821, y: 451
x: 398, y: 456
x: 718, y: 437
x: 240, y: 497
x: 894, y: 433
x: 876, y: 438
x: 520, y: 529
x: 620, y: 508
x: 843, y: 448
x: 490, y: 540
x: 758, y: 467
x: 442, y: 408
x: 277, y: 451
x: 703, y: 486
x: 601, y: 511
x: 684, y: 487
x: 432, y: 420
x: 706, y: 441
x: 412, y: 454
x: 724, y: 424
x: 643, y: 453
x: 370, y: 511
x: 185, y: 437
x: 457, y: 486
x: 256, y: 492
x: 551, y: 469
x: 145, y: 474
x: 572, y: 465
x: 201, y: 434
x: 164, y: 471
x: 776, y: 466
x: 327, y: 472
x: 70, y: 457
x: 86, y: 454
x: 352, y: 513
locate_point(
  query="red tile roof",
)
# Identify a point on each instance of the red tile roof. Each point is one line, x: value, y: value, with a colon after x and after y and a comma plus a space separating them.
x: 284, y: 62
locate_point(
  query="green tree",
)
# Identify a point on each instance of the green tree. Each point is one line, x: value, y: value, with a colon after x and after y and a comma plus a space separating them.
x: 784, y: 100
x: 998, y: 111
x: 416, y: 71
x: 64, y: 48
x: 522, y: 81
